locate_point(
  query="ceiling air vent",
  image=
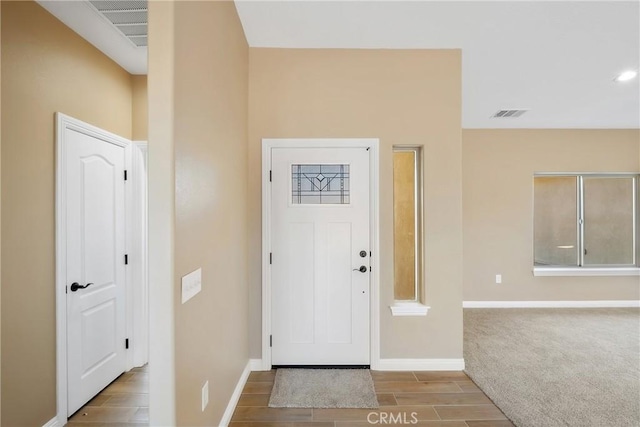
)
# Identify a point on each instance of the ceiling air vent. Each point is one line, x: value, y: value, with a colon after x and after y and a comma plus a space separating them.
x: 129, y: 17
x: 508, y: 113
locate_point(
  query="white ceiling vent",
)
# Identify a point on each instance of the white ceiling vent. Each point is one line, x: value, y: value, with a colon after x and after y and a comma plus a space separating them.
x: 129, y: 17
x: 501, y: 114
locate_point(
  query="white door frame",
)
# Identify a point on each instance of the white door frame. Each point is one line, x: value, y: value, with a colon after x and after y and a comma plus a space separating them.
x: 64, y: 122
x: 373, y: 145
x: 138, y: 294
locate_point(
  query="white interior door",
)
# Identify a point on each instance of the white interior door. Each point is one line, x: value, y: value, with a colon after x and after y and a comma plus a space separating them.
x: 95, y: 266
x: 320, y: 241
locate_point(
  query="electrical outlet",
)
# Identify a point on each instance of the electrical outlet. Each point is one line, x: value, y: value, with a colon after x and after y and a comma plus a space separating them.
x: 498, y: 278
x: 205, y: 395
x: 191, y: 285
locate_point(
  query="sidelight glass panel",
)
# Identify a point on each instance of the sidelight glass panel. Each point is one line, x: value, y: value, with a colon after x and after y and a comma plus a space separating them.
x: 407, y: 216
x: 320, y: 184
x: 608, y: 221
x: 556, y: 221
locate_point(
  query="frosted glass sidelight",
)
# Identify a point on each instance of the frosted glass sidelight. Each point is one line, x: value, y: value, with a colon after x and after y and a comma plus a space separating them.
x: 407, y: 224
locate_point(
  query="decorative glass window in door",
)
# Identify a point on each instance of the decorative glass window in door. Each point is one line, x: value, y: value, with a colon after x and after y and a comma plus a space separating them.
x: 320, y: 184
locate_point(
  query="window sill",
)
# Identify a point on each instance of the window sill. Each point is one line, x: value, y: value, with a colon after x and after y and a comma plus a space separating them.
x: 406, y: 308
x: 586, y: 271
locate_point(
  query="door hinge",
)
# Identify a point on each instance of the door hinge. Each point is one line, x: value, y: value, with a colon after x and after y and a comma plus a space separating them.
x: 126, y: 259
x: 125, y: 174
x: 270, y: 257
x: 126, y: 343
x: 270, y: 176
x: 270, y: 340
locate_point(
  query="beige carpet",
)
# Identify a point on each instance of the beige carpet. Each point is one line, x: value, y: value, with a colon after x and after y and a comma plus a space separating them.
x: 557, y: 367
x: 323, y: 388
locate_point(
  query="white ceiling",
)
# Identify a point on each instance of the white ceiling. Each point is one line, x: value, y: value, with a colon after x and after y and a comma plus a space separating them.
x: 556, y: 59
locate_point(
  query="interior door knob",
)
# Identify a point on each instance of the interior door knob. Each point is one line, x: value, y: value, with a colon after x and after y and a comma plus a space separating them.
x: 362, y: 269
x: 75, y: 286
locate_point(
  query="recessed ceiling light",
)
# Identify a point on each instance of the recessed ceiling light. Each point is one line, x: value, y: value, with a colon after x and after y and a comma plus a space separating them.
x: 626, y: 76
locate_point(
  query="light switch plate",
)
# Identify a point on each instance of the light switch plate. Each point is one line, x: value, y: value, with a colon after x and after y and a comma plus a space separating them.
x: 191, y: 285
x: 498, y: 278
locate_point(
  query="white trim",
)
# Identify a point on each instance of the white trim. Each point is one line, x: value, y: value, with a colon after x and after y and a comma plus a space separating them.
x: 256, y: 364
x: 374, y: 182
x: 374, y: 218
x: 586, y: 271
x: 409, y: 308
x: 138, y: 258
x: 266, y: 248
x: 551, y: 304
x: 235, y: 397
x: 53, y: 422
x: 420, y: 365
x: 65, y: 122
x: 130, y: 228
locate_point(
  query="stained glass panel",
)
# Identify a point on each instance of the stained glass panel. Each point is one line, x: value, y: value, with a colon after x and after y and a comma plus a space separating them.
x: 320, y: 184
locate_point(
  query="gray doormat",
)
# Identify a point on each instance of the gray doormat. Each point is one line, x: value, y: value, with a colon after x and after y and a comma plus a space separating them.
x: 323, y: 388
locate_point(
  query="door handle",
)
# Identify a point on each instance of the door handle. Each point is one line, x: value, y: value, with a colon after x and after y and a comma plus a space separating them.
x: 75, y: 286
x: 362, y: 269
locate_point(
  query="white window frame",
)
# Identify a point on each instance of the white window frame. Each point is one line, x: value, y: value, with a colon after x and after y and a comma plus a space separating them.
x: 594, y: 270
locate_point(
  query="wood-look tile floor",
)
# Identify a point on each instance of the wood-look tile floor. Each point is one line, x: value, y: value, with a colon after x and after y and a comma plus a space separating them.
x: 124, y: 403
x: 435, y: 399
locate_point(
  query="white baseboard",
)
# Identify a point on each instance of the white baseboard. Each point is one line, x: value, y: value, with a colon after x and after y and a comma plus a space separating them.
x: 231, y: 406
x: 256, y: 365
x: 420, y: 365
x: 551, y: 304
x: 53, y: 422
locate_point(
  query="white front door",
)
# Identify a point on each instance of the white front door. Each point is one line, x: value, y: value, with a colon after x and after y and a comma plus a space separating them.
x: 320, y: 272
x: 95, y: 270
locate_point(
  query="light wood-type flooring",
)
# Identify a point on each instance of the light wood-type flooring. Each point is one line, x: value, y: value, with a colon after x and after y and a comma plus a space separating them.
x: 435, y: 399
x: 124, y: 403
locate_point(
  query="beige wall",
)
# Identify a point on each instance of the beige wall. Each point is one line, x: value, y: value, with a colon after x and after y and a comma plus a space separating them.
x: 498, y: 168
x: 139, y: 108
x: 402, y: 97
x: 210, y: 145
x: 46, y: 67
x: 161, y: 202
